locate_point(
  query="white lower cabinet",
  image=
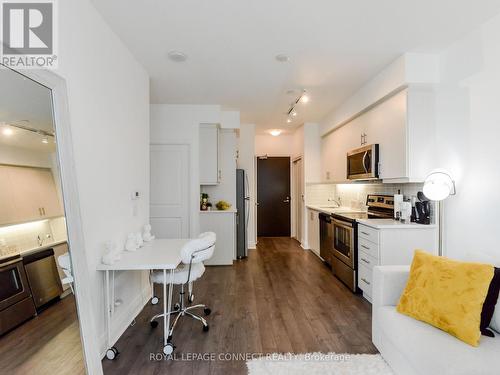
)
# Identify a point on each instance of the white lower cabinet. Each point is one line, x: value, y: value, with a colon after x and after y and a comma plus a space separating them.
x: 390, y: 246
x: 223, y: 223
x: 313, y: 230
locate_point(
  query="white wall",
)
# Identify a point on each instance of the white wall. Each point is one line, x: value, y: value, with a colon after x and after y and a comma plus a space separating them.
x: 410, y: 68
x: 266, y: 144
x: 179, y: 124
x: 108, y: 94
x: 25, y: 157
x: 468, y: 132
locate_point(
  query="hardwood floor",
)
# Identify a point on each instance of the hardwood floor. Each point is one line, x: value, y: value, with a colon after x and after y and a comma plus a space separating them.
x: 47, y: 344
x: 280, y: 299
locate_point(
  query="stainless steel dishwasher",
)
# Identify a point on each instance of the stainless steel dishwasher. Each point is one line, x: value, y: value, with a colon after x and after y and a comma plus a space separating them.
x: 326, y: 238
x: 43, y: 278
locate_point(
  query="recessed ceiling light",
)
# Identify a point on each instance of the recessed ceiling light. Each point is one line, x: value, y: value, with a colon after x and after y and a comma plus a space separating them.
x: 275, y: 132
x: 304, y: 98
x: 177, y: 56
x: 7, y: 131
x: 282, y: 58
x: 289, y: 120
x: 45, y: 140
x: 293, y: 113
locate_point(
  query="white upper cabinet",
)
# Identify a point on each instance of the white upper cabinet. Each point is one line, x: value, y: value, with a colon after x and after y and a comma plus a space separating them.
x: 402, y: 125
x: 210, y: 173
x: 7, y: 207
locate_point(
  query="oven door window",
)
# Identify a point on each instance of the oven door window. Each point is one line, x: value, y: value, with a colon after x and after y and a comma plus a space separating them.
x: 342, y: 239
x: 10, y: 282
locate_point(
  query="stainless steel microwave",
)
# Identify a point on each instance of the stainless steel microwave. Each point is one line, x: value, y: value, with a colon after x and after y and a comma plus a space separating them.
x: 362, y: 163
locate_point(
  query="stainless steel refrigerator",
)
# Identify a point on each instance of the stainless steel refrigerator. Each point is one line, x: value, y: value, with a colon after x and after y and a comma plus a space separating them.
x: 242, y: 206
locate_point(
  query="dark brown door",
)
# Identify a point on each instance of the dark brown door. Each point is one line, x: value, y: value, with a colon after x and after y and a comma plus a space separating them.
x: 273, y: 197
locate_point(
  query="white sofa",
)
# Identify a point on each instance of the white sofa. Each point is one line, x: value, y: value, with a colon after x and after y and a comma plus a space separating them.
x: 412, y: 347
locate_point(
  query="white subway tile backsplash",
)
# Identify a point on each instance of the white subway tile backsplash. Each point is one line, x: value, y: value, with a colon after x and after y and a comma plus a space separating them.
x: 20, y: 237
x: 354, y: 195
x: 318, y: 194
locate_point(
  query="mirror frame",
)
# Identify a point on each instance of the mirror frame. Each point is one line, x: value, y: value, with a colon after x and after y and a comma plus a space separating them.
x: 69, y: 184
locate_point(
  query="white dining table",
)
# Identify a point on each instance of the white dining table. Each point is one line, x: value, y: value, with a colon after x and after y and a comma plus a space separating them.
x: 159, y: 254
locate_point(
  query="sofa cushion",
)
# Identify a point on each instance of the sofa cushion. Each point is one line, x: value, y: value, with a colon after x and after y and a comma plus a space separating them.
x: 479, y: 256
x: 434, y: 352
x: 448, y: 294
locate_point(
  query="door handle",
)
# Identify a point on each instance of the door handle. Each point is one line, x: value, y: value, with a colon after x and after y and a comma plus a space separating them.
x: 364, y: 161
x: 287, y: 200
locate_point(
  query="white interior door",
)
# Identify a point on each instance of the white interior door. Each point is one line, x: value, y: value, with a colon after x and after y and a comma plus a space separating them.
x: 169, y: 207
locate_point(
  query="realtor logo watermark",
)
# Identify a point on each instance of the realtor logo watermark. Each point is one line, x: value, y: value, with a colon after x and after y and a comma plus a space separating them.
x: 29, y: 34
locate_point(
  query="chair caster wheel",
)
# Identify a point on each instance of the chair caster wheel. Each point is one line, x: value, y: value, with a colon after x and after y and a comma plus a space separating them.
x: 168, y: 349
x: 205, y: 328
x: 154, y: 323
x: 155, y: 300
x: 177, y: 307
x: 111, y: 353
x: 207, y: 311
x: 191, y: 298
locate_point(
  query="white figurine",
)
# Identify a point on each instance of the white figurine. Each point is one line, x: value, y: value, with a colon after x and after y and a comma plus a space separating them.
x: 111, y: 253
x: 146, y: 233
x: 131, y: 244
x: 138, y: 238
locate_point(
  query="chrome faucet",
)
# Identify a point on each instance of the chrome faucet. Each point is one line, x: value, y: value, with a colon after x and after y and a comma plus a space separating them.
x: 40, y: 240
x: 337, y: 202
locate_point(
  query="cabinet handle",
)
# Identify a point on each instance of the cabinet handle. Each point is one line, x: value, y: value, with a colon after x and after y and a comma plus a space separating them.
x: 366, y: 234
x: 43, y: 210
x: 365, y: 247
x: 366, y: 281
x: 366, y: 261
x: 40, y: 211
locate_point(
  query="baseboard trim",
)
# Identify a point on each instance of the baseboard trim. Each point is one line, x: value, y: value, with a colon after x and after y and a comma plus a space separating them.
x: 121, y: 321
x: 252, y: 245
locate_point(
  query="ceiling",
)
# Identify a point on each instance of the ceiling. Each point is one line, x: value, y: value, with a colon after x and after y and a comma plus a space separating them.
x: 334, y: 47
x: 28, y: 104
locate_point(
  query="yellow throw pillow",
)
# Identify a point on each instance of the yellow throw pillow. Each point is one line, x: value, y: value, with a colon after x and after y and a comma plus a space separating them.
x: 447, y: 294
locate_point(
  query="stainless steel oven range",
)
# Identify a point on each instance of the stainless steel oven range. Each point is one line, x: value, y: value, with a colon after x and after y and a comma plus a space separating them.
x: 16, y: 303
x: 345, y: 236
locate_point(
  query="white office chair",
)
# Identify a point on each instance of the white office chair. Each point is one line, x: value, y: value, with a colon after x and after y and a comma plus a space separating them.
x: 65, y: 264
x: 193, y: 254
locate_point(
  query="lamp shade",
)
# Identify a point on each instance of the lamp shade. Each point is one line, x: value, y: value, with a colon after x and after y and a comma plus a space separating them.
x: 438, y: 185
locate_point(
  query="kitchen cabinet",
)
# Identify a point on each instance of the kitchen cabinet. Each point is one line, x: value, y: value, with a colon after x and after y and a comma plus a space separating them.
x: 313, y: 230
x: 223, y: 223
x: 210, y: 173
x: 8, y: 212
x: 390, y: 245
x: 334, y: 150
x: 402, y: 125
x: 31, y: 193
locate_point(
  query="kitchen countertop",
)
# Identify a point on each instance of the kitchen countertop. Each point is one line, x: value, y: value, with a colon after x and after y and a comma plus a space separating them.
x: 230, y: 211
x: 393, y: 224
x: 33, y: 250
x: 330, y: 210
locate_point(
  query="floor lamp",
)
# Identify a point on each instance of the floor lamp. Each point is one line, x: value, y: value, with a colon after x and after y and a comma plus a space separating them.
x: 438, y: 186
